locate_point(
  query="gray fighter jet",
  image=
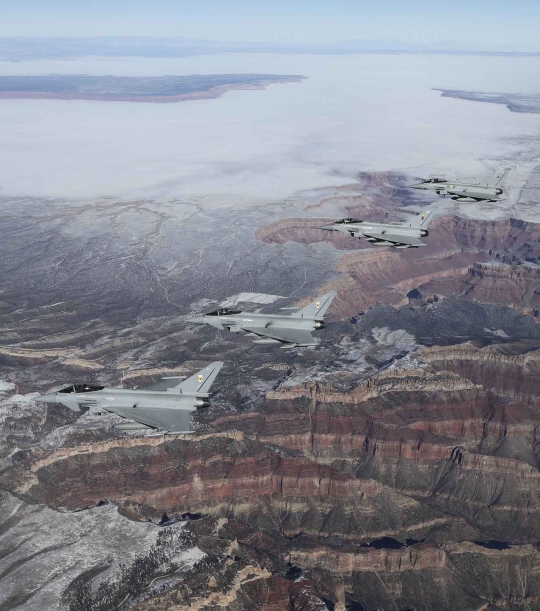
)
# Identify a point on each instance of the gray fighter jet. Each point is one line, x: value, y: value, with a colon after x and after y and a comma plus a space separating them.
x: 166, y: 405
x: 466, y: 192
x: 400, y: 234
x: 292, y: 330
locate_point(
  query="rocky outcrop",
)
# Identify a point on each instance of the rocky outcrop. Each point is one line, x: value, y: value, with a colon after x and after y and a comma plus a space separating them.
x: 499, y: 368
x: 426, y: 576
x: 394, y: 480
x: 400, y: 453
x: 463, y: 256
x: 374, y: 472
x: 218, y: 475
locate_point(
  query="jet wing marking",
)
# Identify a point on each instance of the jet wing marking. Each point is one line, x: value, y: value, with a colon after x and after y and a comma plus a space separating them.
x: 300, y: 337
x: 396, y: 238
x: 175, y: 420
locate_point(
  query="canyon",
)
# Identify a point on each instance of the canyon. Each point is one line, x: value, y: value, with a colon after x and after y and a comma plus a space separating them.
x: 395, y: 467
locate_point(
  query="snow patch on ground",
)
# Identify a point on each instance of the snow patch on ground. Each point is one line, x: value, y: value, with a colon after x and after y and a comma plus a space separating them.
x: 357, y: 359
x: 15, y: 408
x: 400, y: 338
x: 409, y: 361
x: 62, y: 546
x: 189, y: 557
x: 497, y: 332
x: 6, y: 386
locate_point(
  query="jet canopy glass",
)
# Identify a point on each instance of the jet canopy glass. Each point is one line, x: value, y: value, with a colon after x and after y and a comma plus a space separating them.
x: 224, y: 312
x: 347, y: 221
x: 434, y: 180
x: 76, y: 388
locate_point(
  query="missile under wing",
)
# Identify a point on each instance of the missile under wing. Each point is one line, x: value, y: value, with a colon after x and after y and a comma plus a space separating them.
x: 291, y: 330
x: 400, y: 235
x: 166, y: 405
x: 466, y: 192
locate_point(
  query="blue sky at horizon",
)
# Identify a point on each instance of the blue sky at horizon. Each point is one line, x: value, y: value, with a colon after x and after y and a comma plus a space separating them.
x: 478, y: 23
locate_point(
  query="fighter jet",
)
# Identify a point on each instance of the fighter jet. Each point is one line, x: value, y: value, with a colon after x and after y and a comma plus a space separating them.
x: 166, y: 405
x: 466, y: 192
x: 401, y: 234
x: 291, y: 330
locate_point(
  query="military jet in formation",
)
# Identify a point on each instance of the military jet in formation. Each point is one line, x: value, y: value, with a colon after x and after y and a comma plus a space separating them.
x: 400, y: 234
x: 166, y: 405
x: 291, y: 330
x: 466, y: 192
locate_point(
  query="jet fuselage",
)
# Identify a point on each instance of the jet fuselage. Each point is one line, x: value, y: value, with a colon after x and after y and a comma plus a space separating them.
x: 290, y: 330
x: 106, y: 398
x: 398, y: 234
x: 466, y: 191
x: 166, y: 405
x: 247, y: 319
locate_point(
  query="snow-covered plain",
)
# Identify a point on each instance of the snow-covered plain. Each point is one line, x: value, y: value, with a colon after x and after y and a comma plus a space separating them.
x: 49, y: 550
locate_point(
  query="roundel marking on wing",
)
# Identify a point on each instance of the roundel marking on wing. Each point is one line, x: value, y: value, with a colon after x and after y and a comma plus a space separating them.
x: 200, y: 378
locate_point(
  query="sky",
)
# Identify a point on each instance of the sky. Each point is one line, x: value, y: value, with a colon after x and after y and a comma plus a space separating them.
x: 492, y: 24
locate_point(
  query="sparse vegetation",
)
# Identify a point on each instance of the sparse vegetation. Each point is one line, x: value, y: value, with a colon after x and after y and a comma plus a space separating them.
x: 133, y: 579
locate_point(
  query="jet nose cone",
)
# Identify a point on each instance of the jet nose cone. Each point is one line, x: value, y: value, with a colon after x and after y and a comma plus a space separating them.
x: 196, y: 320
x: 329, y: 227
x: 48, y: 398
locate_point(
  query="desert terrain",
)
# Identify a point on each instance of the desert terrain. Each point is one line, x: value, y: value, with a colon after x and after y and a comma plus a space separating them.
x: 395, y: 466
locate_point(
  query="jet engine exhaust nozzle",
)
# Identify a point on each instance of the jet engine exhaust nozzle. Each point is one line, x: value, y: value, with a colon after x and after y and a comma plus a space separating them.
x: 320, y: 324
x: 202, y: 402
x: 424, y: 233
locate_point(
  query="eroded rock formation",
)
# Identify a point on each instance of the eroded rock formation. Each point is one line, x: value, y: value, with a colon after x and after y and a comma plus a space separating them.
x: 395, y: 482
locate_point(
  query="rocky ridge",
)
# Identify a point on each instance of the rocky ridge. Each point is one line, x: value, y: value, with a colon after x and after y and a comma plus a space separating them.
x: 394, y: 467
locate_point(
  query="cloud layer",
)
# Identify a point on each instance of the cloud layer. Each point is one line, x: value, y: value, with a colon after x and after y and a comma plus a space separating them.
x: 353, y: 113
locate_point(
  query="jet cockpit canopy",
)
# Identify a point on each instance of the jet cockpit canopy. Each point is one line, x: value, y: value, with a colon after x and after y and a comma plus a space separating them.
x: 76, y: 388
x: 435, y: 180
x: 347, y: 221
x: 224, y: 312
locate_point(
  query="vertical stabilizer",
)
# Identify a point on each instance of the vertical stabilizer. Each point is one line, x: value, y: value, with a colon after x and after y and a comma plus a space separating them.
x: 199, y: 384
x: 498, y: 178
x: 317, y: 308
x: 422, y: 220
